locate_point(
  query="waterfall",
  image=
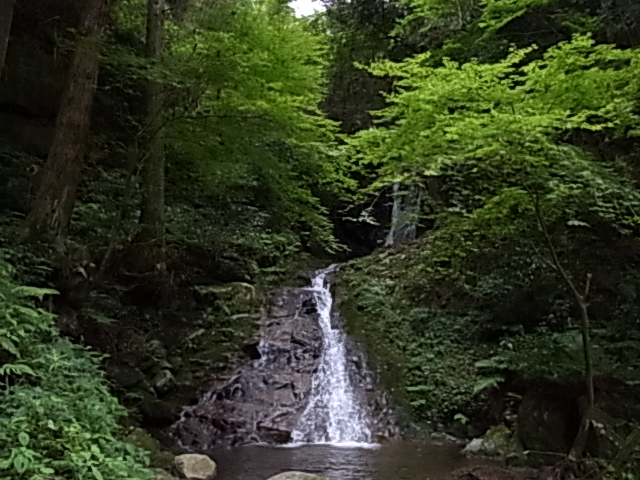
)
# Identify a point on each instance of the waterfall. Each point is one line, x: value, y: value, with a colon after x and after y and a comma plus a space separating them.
x: 406, y: 206
x: 335, y: 414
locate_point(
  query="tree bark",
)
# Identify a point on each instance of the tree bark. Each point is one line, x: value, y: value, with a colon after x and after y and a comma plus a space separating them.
x: 151, y: 232
x: 6, y: 17
x: 51, y: 210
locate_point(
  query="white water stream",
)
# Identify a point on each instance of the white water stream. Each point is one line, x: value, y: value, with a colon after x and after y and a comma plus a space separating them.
x: 335, y: 415
x: 406, y: 207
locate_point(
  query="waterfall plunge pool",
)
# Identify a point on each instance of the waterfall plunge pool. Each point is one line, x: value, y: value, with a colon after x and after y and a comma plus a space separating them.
x: 397, y: 461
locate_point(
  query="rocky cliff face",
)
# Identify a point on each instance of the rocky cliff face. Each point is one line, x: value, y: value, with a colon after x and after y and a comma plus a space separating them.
x: 263, y: 400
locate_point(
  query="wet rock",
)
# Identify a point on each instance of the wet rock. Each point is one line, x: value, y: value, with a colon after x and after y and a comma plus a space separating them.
x: 498, y: 441
x: 278, y: 312
x: 156, y: 349
x: 263, y: 399
x: 440, y: 438
x: 296, y: 476
x: 474, y: 447
x: 193, y: 466
x: 163, y: 382
x: 155, y: 412
x: 273, y: 435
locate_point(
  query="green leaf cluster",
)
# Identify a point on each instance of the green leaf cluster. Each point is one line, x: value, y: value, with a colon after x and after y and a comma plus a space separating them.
x: 57, y: 417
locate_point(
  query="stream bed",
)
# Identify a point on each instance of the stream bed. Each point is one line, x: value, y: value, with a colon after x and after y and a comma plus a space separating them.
x: 399, y: 461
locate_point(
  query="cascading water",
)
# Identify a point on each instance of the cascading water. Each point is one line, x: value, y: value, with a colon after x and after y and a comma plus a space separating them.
x: 306, y: 383
x: 335, y: 414
x: 406, y: 206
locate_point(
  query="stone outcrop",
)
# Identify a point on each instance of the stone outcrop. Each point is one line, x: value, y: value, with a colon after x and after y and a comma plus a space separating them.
x: 192, y: 466
x: 262, y: 401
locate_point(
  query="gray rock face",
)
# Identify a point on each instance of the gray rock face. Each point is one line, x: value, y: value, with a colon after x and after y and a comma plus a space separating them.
x: 262, y: 401
x: 296, y: 476
x: 192, y: 466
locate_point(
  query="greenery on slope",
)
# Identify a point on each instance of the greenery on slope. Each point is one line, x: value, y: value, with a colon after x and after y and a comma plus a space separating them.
x: 57, y: 417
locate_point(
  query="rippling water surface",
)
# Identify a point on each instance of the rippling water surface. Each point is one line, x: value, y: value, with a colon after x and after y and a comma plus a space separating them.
x: 402, y: 461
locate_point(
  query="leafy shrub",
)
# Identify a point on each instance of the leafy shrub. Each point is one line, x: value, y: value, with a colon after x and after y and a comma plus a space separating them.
x: 57, y: 417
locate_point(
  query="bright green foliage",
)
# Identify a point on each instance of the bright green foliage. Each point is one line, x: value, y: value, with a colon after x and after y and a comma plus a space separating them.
x: 500, y: 140
x: 57, y: 417
x: 243, y: 129
x: 497, y: 128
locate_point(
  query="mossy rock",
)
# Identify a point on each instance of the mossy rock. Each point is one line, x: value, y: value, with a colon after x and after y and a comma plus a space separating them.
x: 160, y: 458
x: 499, y: 440
x: 160, y: 474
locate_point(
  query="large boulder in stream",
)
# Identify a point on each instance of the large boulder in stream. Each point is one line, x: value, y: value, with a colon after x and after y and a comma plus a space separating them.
x: 192, y: 466
x: 296, y: 476
x: 548, y: 420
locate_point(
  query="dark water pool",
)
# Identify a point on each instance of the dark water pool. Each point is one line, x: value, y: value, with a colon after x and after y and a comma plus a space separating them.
x: 402, y: 461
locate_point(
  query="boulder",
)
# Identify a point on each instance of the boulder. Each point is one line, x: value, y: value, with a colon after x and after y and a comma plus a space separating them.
x: 163, y: 382
x: 273, y: 435
x: 296, y: 476
x: 156, y: 349
x: 604, y: 441
x: 498, y: 441
x: 439, y: 438
x: 159, y: 474
x: 548, y: 421
x: 192, y: 466
x: 474, y: 447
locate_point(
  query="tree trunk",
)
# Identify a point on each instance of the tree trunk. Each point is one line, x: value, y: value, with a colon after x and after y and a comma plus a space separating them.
x: 581, y: 299
x: 51, y: 210
x: 6, y: 16
x: 151, y: 233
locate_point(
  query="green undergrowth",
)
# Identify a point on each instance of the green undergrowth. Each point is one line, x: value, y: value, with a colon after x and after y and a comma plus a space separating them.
x: 454, y: 316
x: 57, y: 417
x: 425, y: 355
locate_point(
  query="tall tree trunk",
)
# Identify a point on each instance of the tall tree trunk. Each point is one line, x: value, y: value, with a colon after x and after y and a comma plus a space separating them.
x: 51, y: 210
x: 6, y: 16
x: 151, y: 233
